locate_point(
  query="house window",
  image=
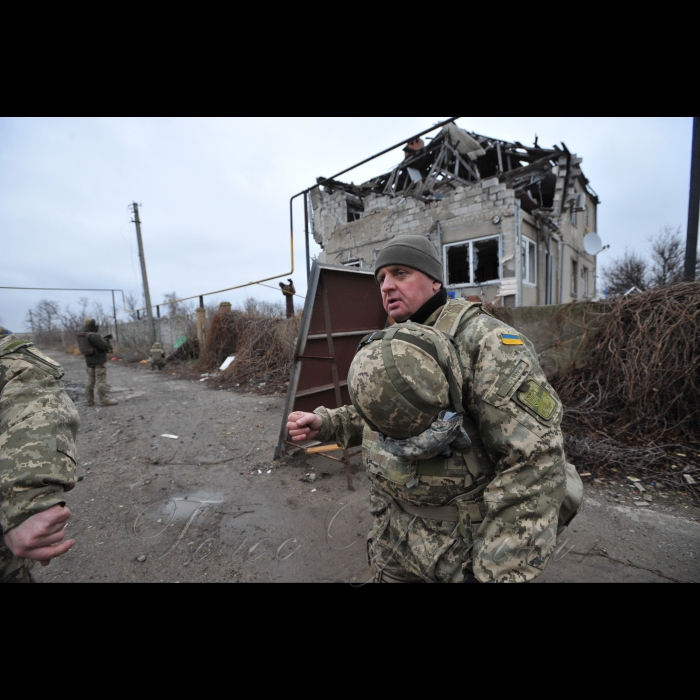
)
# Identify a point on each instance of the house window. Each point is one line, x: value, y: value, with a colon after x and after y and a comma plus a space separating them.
x: 356, y: 207
x: 574, y: 278
x: 475, y: 262
x: 586, y: 283
x: 529, y: 261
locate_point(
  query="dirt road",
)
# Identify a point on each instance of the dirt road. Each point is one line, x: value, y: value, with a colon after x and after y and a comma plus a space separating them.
x: 211, y: 506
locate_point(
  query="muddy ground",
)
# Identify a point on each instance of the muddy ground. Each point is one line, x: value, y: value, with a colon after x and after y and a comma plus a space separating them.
x: 213, y: 506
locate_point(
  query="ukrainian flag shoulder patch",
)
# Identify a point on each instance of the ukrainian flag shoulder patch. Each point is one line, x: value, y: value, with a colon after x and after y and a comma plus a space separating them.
x: 511, y: 339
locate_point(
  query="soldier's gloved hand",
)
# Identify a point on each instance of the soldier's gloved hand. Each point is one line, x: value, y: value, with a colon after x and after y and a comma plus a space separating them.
x: 304, y: 426
x: 433, y: 442
x: 38, y: 537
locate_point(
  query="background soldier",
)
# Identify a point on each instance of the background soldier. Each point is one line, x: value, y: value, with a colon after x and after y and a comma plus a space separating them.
x: 38, y: 425
x: 95, y: 349
x: 157, y: 359
x: 488, y: 513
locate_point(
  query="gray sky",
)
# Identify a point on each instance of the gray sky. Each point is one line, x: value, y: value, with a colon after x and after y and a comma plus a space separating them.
x: 215, y: 192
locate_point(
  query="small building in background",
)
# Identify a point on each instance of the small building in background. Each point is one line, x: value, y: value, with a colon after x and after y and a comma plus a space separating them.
x: 508, y: 220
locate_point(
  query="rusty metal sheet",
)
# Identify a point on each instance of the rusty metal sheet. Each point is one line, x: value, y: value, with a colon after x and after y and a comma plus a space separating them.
x: 353, y: 310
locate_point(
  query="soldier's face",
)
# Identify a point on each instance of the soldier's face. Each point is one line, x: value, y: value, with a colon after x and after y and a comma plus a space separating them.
x: 405, y: 290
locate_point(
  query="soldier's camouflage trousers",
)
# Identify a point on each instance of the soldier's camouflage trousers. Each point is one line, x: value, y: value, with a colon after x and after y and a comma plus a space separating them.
x: 13, y: 570
x: 97, y: 376
x: 411, y: 549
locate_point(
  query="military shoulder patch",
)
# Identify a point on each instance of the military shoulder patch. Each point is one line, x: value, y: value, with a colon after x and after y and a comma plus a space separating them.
x: 537, y: 399
x: 511, y: 339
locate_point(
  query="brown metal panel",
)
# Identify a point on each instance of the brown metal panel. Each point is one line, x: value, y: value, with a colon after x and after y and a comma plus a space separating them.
x: 354, y: 310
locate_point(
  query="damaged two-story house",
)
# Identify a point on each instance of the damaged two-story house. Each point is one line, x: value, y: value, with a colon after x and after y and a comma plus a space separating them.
x: 508, y: 220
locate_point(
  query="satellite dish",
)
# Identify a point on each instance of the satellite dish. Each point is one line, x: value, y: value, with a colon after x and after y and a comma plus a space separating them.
x: 592, y: 244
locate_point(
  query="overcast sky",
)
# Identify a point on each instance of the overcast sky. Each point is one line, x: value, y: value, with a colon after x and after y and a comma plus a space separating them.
x: 215, y: 193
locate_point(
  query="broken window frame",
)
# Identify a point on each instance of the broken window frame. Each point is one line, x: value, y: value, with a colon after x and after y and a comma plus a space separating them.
x: 359, y: 264
x: 529, y: 262
x: 472, y: 271
x: 574, y: 278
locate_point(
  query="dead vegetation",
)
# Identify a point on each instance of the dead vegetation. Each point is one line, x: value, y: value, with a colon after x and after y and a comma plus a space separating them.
x: 263, y: 345
x: 635, y: 406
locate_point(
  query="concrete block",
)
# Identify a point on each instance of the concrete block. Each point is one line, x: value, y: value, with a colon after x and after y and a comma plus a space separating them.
x: 507, y: 194
x: 502, y: 187
x: 491, y: 182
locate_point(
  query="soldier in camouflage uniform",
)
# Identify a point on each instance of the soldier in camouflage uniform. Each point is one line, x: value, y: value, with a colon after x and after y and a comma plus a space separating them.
x: 95, y: 349
x: 490, y: 513
x: 157, y: 358
x: 38, y: 425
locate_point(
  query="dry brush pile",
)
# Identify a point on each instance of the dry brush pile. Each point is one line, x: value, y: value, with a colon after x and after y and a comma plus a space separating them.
x: 263, y: 347
x: 635, y: 407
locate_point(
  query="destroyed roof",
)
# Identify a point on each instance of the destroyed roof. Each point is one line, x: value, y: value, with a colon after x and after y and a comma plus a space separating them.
x: 456, y: 157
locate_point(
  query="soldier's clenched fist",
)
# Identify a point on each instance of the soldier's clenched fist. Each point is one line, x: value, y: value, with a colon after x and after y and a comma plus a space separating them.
x: 304, y: 426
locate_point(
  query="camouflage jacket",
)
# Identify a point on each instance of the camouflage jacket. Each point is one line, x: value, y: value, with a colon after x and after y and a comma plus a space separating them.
x: 102, y: 347
x: 38, y: 425
x: 518, y: 415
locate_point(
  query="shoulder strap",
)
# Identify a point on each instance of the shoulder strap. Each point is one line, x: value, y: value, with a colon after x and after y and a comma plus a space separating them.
x: 452, y: 315
x: 11, y: 344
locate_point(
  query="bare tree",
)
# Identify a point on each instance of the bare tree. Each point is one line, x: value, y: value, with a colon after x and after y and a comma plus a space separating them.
x: 133, y: 301
x: 667, y: 257
x: 73, y: 322
x: 632, y: 270
x: 175, y: 309
x: 44, y: 320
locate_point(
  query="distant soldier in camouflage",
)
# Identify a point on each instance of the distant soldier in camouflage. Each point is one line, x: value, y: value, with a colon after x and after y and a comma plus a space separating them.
x: 95, y: 349
x: 157, y: 358
x: 38, y: 425
x: 485, y: 507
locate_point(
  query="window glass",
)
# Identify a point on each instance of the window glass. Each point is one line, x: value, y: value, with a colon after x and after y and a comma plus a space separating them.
x: 458, y: 264
x: 574, y: 278
x: 486, y: 264
x: 532, y: 268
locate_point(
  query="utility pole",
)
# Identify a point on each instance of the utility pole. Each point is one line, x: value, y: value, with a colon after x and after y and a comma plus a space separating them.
x: 144, y: 274
x: 691, y: 252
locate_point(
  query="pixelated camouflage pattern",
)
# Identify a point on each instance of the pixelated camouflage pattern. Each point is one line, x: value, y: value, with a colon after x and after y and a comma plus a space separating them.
x: 524, y: 491
x: 97, y: 379
x: 375, y: 395
x: 38, y: 425
x: 433, y: 442
x: 157, y: 358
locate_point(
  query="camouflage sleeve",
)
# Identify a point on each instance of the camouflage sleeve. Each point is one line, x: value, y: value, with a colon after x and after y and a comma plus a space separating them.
x: 38, y: 425
x: 519, y: 416
x: 343, y: 425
